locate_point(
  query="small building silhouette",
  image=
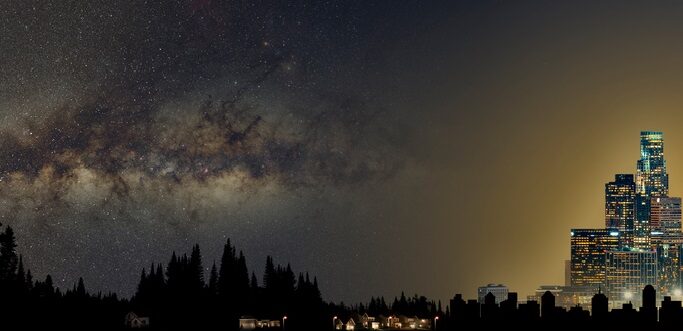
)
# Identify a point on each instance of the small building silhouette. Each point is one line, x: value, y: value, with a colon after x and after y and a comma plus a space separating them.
x: 547, y: 305
x: 599, y: 306
x: 529, y: 311
x: 648, y: 311
x: 671, y: 313
x: 458, y: 308
x: 134, y: 321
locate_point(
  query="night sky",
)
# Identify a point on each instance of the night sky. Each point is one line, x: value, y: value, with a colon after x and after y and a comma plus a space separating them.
x: 420, y: 146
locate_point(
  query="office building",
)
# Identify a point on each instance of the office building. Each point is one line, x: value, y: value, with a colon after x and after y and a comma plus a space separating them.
x: 666, y: 238
x: 627, y: 272
x: 665, y: 221
x: 588, y: 247
x: 652, y: 181
x: 500, y: 291
x: 619, y: 207
x: 669, y: 268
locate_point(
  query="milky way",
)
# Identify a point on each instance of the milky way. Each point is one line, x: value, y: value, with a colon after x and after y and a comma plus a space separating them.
x: 133, y: 128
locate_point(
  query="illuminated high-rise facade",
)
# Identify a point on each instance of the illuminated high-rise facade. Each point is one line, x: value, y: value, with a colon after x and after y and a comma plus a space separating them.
x: 666, y: 238
x: 651, y: 181
x: 627, y: 272
x: 665, y: 221
x: 651, y: 177
x: 668, y: 268
x: 620, y: 198
x: 588, y: 247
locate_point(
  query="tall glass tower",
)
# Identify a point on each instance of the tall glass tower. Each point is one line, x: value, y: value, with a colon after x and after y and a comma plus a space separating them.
x: 620, y: 198
x: 651, y: 181
x: 651, y: 177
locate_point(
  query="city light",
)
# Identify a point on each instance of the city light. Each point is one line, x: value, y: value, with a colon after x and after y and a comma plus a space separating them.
x: 640, y: 242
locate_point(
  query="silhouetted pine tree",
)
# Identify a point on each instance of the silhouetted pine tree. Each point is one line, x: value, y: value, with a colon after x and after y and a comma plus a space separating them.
x: 226, y: 275
x: 195, y: 271
x: 173, y: 275
x: 241, y: 284
x: 8, y: 256
x: 254, y: 282
x: 29, y: 281
x: 20, y: 279
x: 80, y: 290
x: 373, y: 307
x: 383, y: 307
x: 142, y: 293
x: 269, y: 275
x: 213, y: 280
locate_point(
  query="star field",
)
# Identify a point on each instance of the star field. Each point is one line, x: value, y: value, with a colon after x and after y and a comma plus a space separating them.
x: 134, y: 128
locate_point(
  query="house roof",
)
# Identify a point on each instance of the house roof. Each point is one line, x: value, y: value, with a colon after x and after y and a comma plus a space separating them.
x: 247, y: 317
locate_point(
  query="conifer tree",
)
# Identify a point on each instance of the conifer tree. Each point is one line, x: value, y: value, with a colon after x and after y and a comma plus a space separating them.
x: 196, y: 270
x: 8, y: 255
x: 213, y: 280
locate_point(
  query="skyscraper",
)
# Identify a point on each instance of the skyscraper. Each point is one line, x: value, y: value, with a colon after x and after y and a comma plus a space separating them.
x: 666, y: 238
x: 665, y: 221
x: 627, y: 272
x: 619, y: 207
x: 668, y: 268
x: 651, y: 181
x: 651, y: 176
x: 588, y: 247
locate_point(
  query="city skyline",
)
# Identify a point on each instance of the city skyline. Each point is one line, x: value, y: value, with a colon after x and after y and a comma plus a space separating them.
x: 630, y: 251
x: 640, y: 244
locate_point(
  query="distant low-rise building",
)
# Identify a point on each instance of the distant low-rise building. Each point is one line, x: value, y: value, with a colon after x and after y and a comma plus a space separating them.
x: 338, y: 324
x: 392, y: 322
x: 134, y: 321
x: 568, y: 296
x: 248, y: 323
x: 500, y: 291
x: 366, y: 320
x: 269, y: 324
x: 350, y: 325
x: 251, y: 323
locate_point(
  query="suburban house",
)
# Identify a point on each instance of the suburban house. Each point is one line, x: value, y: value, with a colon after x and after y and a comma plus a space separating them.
x: 251, y: 323
x: 350, y: 324
x: 134, y: 321
x: 369, y: 322
x: 391, y: 322
x: 248, y: 323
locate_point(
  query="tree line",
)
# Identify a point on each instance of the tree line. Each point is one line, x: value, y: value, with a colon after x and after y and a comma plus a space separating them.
x: 179, y: 295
